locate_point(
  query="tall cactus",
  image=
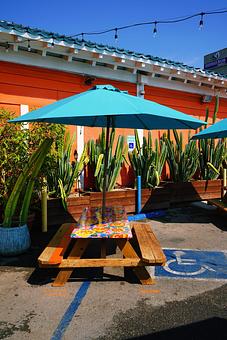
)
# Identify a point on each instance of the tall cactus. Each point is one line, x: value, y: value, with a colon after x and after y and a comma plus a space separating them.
x: 27, y: 177
x: 148, y: 161
x: 182, y: 160
x: 69, y: 172
x: 96, y: 151
x: 211, y: 153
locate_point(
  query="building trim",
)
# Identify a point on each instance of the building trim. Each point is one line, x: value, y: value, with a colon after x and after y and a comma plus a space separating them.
x: 156, y: 77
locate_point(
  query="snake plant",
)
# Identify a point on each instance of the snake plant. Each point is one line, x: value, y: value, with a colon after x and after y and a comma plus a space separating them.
x: 25, y: 179
x: 148, y: 161
x: 96, y: 150
x: 182, y: 159
x: 211, y: 153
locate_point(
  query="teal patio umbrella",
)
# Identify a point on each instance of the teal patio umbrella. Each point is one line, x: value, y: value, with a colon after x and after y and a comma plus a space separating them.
x: 217, y: 130
x: 107, y: 106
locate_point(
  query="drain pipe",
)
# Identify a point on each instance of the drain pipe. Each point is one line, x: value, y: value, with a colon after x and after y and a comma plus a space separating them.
x: 140, y: 93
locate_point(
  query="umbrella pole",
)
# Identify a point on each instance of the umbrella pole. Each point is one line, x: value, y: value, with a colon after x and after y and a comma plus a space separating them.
x: 105, y: 168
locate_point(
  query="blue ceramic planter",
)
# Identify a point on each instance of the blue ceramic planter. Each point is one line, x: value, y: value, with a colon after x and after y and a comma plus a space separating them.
x: 14, y: 241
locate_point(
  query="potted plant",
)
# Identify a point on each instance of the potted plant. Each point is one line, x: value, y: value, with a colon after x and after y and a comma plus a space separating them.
x: 15, y: 239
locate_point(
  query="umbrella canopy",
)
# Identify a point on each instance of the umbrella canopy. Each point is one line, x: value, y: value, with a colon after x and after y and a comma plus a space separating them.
x: 93, y: 107
x: 106, y: 106
x: 217, y: 130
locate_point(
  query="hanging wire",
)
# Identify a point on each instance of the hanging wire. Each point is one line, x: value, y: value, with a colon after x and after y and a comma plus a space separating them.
x: 117, y: 29
x: 169, y: 21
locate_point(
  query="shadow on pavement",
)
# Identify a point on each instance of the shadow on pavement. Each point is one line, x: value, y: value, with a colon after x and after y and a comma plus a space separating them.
x: 215, y: 328
x: 197, y: 212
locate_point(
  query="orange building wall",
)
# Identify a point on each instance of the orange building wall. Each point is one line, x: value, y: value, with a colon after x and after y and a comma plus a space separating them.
x: 186, y: 102
x: 36, y: 87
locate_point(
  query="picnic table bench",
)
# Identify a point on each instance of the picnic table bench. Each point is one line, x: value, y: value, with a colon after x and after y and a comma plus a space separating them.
x: 143, y: 250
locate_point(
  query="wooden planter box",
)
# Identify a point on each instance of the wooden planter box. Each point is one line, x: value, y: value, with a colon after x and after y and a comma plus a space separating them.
x: 195, y: 190
x: 56, y: 214
x: 151, y: 200
x: 158, y: 198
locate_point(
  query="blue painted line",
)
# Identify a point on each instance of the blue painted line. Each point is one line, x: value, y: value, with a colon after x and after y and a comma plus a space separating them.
x: 67, y: 317
x: 153, y: 214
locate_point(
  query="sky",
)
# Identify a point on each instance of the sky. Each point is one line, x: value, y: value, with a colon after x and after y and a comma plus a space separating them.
x: 182, y: 42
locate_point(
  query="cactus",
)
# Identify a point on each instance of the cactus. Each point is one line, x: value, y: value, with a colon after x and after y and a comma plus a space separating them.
x: 96, y: 151
x: 69, y: 172
x: 147, y: 161
x: 27, y: 177
x: 182, y: 160
x: 211, y: 153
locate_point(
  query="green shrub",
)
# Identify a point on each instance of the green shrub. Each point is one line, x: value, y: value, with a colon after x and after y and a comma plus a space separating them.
x: 17, y: 143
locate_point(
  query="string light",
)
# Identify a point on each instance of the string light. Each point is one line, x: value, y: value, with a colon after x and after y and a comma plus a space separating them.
x: 52, y: 43
x: 29, y: 46
x: 201, y: 21
x: 155, y: 29
x: 169, y: 21
x: 116, y: 35
x: 7, y: 47
x: 116, y: 29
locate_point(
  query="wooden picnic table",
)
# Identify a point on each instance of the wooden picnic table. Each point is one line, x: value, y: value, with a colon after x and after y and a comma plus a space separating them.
x: 139, y: 252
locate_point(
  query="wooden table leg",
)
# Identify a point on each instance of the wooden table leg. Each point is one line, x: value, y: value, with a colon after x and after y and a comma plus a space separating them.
x: 103, y: 253
x: 129, y: 252
x: 103, y: 248
x: 76, y: 253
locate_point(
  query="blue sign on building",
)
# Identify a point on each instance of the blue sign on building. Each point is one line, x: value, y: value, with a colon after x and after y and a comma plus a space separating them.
x: 185, y: 263
x: 131, y: 142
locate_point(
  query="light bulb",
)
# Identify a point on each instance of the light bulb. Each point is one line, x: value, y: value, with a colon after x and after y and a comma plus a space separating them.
x: 155, y: 29
x: 116, y: 35
x: 7, y: 47
x: 29, y: 46
x: 201, y: 21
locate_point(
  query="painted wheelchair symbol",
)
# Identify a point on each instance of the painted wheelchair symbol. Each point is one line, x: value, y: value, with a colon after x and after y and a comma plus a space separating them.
x: 185, y: 262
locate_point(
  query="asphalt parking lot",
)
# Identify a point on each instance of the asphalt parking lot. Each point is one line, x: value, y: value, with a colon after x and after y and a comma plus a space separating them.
x: 190, y: 306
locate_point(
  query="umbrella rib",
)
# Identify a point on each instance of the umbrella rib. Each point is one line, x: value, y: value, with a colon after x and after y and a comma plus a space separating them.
x: 140, y: 120
x: 93, y: 125
x: 182, y: 122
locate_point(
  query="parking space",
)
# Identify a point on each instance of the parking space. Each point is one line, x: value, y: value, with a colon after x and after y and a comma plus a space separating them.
x: 115, y: 308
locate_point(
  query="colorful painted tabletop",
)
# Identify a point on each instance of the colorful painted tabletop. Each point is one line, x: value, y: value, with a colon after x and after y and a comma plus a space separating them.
x: 114, y: 225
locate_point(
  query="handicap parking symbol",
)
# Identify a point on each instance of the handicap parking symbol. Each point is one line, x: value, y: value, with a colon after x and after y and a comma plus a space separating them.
x: 191, y: 263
